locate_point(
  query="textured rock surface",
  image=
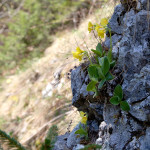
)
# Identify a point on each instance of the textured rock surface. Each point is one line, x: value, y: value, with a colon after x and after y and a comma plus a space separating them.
x: 69, y: 141
x: 61, y: 142
x: 116, y: 129
x: 72, y: 138
x: 131, y: 46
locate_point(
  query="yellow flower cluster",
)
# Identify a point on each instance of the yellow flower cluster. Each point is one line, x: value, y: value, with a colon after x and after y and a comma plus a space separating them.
x: 78, y: 54
x: 90, y: 27
x: 84, y: 117
x: 100, y: 28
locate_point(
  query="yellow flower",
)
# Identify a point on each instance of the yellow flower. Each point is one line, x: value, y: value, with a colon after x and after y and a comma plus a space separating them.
x: 90, y: 27
x: 79, y: 50
x: 98, y: 27
x: 78, y: 54
x: 84, y: 117
x: 101, y: 33
x: 104, y: 22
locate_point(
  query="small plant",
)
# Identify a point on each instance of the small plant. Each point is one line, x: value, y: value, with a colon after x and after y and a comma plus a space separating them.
x: 100, y: 72
x: 50, y: 138
x: 83, y: 131
x: 117, y: 98
x: 10, y: 142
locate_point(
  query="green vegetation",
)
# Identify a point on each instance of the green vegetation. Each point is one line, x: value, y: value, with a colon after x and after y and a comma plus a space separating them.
x: 83, y: 132
x: 100, y: 71
x: 117, y: 98
x: 30, y: 29
x: 10, y: 142
x: 50, y: 138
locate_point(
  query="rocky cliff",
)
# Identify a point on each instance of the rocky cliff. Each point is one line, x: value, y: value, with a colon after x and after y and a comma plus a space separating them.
x: 113, y: 128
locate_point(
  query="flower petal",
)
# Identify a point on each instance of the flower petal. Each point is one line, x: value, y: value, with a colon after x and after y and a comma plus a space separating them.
x: 104, y: 22
x: 79, y: 50
x: 90, y: 27
x: 101, y: 33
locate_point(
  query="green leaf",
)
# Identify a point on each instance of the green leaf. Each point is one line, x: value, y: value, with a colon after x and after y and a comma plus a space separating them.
x: 109, y: 76
x: 104, y: 53
x: 100, y: 73
x: 96, y: 93
x: 112, y: 64
x: 96, y: 65
x: 47, y: 141
x: 118, y: 92
x: 99, y: 48
x: 10, y: 141
x: 81, y: 131
x: 124, y: 106
x: 114, y: 100
x: 91, y: 86
x: 93, y: 73
x: 109, y: 55
x: 101, y: 60
x: 105, y: 66
x: 96, y: 52
x: 101, y: 83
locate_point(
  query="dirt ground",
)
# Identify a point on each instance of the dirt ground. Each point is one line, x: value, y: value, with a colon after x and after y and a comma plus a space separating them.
x: 25, y: 112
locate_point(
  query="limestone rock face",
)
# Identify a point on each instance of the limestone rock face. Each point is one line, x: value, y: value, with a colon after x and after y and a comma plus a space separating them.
x: 119, y: 130
x: 69, y: 141
x: 109, y: 126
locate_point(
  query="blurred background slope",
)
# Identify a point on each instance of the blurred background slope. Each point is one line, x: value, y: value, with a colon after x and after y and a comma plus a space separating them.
x: 36, y: 40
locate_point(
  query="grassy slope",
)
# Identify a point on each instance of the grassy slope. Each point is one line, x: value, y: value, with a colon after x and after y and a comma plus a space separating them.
x: 23, y: 110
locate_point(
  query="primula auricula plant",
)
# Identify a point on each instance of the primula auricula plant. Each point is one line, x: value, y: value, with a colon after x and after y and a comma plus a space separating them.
x: 100, y: 72
x: 83, y: 131
x: 99, y: 28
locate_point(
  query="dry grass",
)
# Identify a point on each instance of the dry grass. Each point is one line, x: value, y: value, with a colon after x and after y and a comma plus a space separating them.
x: 26, y: 112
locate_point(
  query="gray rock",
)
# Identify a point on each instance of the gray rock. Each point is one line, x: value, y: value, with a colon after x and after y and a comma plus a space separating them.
x: 97, y: 110
x: 115, y: 39
x: 139, y: 6
x: 115, y: 23
x: 83, y: 91
x: 77, y: 80
x: 78, y: 147
x: 144, y: 140
x: 133, y: 145
x: 145, y: 4
x: 73, y: 139
x: 142, y: 109
x: 93, y: 125
x: 104, y: 136
x: 131, y: 47
x: 61, y: 143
